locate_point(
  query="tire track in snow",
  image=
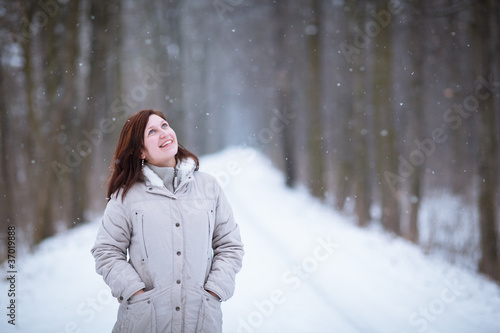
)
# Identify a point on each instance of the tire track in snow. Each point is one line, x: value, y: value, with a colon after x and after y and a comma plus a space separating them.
x: 287, y: 252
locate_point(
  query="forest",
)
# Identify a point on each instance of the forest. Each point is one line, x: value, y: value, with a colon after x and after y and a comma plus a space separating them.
x: 387, y: 111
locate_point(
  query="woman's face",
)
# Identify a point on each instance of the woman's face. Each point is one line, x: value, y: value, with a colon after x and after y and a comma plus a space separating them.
x: 160, y: 143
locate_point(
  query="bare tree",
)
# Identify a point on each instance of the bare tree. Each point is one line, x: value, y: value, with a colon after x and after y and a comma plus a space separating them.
x: 283, y: 78
x: 359, y: 169
x: 416, y: 45
x: 316, y: 132
x: 382, y: 95
x: 7, y: 216
x: 485, y: 25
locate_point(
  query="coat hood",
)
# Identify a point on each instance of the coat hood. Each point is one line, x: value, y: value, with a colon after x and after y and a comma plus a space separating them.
x: 185, y: 169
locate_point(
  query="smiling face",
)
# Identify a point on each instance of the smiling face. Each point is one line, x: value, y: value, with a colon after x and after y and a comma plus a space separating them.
x: 160, y: 143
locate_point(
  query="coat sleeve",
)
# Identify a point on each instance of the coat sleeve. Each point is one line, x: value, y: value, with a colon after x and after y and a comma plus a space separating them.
x: 110, y: 252
x: 228, y: 249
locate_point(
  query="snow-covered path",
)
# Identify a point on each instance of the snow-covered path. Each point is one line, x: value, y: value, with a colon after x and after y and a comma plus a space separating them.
x: 306, y: 269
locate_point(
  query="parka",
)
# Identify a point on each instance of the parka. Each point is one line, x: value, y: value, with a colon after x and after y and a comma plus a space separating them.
x: 175, y: 246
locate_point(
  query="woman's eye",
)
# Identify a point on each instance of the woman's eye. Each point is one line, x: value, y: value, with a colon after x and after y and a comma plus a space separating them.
x: 165, y: 125
x: 151, y: 132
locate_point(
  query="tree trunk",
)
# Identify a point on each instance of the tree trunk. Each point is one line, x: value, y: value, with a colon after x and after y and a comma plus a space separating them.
x: 385, y: 132
x: 359, y: 169
x: 283, y: 79
x: 417, y: 49
x: 100, y: 90
x: 484, y: 27
x: 315, y: 151
x: 7, y: 216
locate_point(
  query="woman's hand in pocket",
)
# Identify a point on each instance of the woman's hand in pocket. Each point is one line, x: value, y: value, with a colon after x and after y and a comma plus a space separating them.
x: 213, y: 294
x: 138, y: 293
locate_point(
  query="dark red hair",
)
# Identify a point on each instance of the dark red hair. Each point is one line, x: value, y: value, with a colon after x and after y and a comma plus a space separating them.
x: 126, y: 165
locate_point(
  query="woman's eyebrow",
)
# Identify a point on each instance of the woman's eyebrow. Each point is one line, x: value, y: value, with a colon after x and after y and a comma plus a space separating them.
x: 150, y: 127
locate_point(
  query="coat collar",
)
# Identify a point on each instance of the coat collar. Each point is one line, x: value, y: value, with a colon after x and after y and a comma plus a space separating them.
x: 152, y: 177
x: 186, y: 169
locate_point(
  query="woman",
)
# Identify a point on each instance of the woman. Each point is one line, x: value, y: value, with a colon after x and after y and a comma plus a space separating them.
x: 183, y: 244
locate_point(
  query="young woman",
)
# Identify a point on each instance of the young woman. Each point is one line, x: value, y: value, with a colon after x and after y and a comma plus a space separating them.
x: 184, y: 247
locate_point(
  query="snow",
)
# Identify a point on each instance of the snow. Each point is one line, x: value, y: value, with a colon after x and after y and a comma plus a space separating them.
x: 306, y: 269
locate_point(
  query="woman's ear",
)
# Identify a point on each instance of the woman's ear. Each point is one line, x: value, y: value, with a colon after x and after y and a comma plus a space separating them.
x: 143, y: 155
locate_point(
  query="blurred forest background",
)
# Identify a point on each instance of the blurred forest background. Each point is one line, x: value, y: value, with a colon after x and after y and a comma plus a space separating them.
x: 385, y: 110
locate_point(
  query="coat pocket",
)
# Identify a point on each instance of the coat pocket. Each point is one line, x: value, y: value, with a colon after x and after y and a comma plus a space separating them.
x: 211, y: 227
x: 139, y: 224
x: 210, y: 314
x: 210, y: 235
x: 136, y: 316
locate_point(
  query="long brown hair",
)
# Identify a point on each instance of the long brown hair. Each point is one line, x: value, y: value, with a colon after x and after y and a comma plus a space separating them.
x: 126, y: 165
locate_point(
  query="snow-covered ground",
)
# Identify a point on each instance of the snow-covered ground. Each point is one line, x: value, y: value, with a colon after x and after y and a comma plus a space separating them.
x: 306, y: 269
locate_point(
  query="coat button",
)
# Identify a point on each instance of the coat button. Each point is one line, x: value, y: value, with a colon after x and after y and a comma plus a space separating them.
x: 178, y: 281
x: 178, y: 253
x: 177, y: 224
x: 177, y: 309
x: 121, y: 298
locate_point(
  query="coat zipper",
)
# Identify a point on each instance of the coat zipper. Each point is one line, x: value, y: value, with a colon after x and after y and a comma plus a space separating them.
x: 175, y: 181
x: 143, y: 238
x: 210, y: 236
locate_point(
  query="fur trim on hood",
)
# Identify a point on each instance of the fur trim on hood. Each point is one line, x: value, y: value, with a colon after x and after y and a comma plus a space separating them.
x: 185, y: 168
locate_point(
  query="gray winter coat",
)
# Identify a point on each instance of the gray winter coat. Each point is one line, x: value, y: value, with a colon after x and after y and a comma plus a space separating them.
x: 179, y: 244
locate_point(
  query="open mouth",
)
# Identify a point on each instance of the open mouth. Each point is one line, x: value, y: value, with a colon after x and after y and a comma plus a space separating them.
x: 166, y: 143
